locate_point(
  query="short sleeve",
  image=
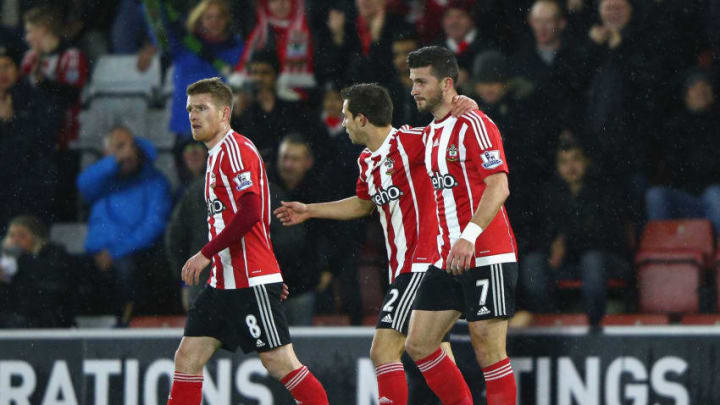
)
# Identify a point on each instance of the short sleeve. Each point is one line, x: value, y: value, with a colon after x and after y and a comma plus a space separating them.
x: 361, y: 187
x: 412, y: 142
x: 243, y: 172
x: 484, y: 145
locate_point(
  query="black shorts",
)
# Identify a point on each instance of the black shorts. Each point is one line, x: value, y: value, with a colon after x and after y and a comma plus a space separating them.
x: 252, y: 318
x: 398, y: 303
x: 480, y: 293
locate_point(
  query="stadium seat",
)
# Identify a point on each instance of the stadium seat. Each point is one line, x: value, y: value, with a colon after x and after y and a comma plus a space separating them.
x: 117, y: 75
x: 177, y: 321
x: 669, y: 287
x: 157, y: 129
x: 331, y: 320
x: 574, y: 284
x: 559, y: 320
x: 635, y: 319
x: 71, y: 235
x: 701, y: 319
x: 165, y: 162
x: 106, y: 113
x: 675, y: 237
x: 717, y: 278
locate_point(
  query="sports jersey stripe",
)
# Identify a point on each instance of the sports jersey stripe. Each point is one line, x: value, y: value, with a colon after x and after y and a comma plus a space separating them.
x: 264, y: 200
x: 237, y: 152
x: 403, y: 302
x: 244, y: 255
x: 481, y: 120
x: 411, y: 185
x: 508, y: 228
x: 407, y: 306
x: 260, y: 299
x: 229, y: 270
x: 218, y: 224
x: 396, y: 212
x: 493, y: 283
x: 502, y: 288
x: 231, y: 158
x: 462, y: 152
x: 374, y: 184
x: 451, y: 219
x: 431, y: 163
x: 479, y: 130
x: 271, y: 318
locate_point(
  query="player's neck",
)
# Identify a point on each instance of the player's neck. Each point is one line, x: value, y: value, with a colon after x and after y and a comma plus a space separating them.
x: 376, y: 137
x: 217, y: 137
x: 443, y: 109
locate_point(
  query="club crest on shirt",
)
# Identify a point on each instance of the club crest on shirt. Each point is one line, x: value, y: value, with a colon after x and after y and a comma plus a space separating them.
x: 491, y: 159
x: 452, y: 153
x: 389, y: 165
x: 243, y: 181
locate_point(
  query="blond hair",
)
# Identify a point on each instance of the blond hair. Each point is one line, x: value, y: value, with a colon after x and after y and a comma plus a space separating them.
x: 219, y: 91
x: 197, y: 12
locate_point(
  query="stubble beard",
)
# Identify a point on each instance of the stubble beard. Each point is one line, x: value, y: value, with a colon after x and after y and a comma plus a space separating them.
x: 431, y: 103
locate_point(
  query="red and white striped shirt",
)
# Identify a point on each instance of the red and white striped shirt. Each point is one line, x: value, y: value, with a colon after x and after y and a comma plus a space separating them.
x: 394, y: 178
x: 234, y: 167
x: 460, y: 152
x: 67, y: 67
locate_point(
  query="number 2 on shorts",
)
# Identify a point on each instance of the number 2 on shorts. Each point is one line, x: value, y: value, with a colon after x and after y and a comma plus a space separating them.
x: 389, y: 306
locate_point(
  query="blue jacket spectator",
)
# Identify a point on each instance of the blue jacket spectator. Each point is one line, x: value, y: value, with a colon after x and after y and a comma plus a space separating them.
x: 202, y: 47
x: 130, y: 205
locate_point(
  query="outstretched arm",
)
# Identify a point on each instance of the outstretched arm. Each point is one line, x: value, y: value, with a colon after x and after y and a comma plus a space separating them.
x: 293, y: 213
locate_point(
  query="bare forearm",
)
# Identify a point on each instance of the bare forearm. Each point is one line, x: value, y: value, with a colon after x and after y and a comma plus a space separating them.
x: 492, y: 199
x: 345, y: 209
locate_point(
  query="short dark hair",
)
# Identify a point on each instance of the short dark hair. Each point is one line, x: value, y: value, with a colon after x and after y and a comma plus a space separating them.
x: 371, y: 100
x: 46, y: 16
x: 220, y: 92
x: 296, y: 138
x: 568, y: 145
x: 32, y: 224
x: 441, y: 61
x: 268, y: 56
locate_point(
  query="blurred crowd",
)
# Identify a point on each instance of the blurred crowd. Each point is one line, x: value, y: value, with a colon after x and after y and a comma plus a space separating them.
x: 607, y: 110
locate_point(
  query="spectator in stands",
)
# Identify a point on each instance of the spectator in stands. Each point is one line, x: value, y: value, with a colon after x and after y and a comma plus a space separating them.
x: 282, y: 27
x: 461, y: 36
x: 337, y: 170
x: 130, y: 202
x: 298, y: 249
x: 405, y: 109
x: 60, y: 72
x: 54, y: 66
x: 187, y: 229
x: 621, y: 98
x: 268, y: 118
x: 360, y: 50
x: 552, y: 68
x: 692, y: 172
x: 528, y: 147
x: 39, y: 277
x: 129, y: 32
x: 28, y: 125
x: 214, y: 52
x: 586, y: 234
